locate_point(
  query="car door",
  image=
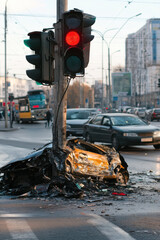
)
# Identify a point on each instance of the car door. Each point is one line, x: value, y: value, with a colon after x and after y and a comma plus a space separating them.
x: 94, y: 128
x: 105, y: 130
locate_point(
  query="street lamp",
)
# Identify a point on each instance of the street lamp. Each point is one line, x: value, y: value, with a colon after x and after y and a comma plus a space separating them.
x: 102, y: 37
x: 112, y: 54
x: 5, y: 47
x: 108, y: 89
x: 108, y: 44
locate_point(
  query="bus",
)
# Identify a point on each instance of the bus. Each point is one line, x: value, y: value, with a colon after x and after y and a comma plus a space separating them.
x: 32, y: 107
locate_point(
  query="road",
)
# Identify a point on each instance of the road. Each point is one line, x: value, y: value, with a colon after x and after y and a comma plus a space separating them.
x: 133, y: 216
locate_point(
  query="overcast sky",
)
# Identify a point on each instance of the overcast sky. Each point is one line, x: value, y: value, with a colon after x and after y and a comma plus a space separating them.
x: 34, y: 15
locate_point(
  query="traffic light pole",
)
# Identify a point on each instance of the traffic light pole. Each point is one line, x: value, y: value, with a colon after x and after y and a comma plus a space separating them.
x: 6, y: 83
x: 60, y: 84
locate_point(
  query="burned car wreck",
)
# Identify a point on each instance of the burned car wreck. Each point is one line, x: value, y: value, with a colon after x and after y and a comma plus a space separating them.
x: 62, y: 171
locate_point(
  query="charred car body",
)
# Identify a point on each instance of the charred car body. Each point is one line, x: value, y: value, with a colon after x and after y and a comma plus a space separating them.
x: 79, y: 159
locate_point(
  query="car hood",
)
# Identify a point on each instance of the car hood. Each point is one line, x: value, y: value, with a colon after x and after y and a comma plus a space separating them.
x: 77, y: 121
x: 136, y: 128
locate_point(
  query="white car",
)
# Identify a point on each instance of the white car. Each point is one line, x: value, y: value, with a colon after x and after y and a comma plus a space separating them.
x: 76, y: 118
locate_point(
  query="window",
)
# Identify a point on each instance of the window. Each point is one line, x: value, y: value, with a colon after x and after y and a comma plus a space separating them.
x: 106, y: 121
x: 97, y: 120
x: 126, y: 121
x: 77, y: 115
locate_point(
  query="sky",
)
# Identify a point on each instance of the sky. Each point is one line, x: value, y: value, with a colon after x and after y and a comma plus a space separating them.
x: 115, y: 18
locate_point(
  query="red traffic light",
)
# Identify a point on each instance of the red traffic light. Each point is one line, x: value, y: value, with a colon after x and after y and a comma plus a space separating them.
x: 72, y: 38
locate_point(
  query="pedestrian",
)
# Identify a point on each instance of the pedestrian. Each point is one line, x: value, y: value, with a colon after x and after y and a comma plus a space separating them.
x: 48, y: 118
x: 12, y: 119
x: 3, y: 113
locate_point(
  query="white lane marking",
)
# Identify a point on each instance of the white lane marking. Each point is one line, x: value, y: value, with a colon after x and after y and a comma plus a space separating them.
x: 109, y: 229
x: 15, y: 215
x: 20, y: 230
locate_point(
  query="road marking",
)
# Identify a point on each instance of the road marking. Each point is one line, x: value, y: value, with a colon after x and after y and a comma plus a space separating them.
x: 109, y: 229
x: 15, y: 215
x: 20, y: 230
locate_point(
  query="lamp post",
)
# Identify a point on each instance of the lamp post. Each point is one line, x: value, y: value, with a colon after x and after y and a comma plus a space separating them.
x: 5, y: 47
x: 109, y: 78
x: 102, y: 37
x: 108, y: 44
x: 111, y: 56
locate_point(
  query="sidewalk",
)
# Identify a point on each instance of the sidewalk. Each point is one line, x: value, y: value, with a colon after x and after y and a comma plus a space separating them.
x: 35, y: 133
x: 8, y: 129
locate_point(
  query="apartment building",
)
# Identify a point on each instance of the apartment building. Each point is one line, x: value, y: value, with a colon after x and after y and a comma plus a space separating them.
x: 143, y: 61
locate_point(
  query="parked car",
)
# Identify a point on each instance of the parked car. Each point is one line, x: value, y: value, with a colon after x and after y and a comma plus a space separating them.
x: 125, y: 108
x: 76, y: 118
x: 140, y: 112
x: 131, y: 110
x: 121, y: 129
x: 153, y: 114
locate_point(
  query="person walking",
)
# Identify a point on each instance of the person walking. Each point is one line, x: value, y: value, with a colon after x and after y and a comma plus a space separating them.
x: 48, y: 118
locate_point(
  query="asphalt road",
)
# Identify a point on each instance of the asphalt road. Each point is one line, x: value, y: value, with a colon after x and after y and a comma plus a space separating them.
x: 133, y: 216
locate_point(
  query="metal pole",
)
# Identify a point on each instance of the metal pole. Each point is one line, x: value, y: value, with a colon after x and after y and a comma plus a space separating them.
x: 102, y: 77
x: 62, y: 6
x: 109, y: 78
x: 6, y: 84
x: 60, y: 105
x: 102, y: 37
x: 110, y: 99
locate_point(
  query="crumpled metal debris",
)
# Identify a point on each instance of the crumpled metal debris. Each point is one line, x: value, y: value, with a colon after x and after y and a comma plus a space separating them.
x: 81, y: 166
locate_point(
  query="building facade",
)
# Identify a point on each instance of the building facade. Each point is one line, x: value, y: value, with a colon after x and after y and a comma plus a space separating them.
x: 143, y: 61
x: 19, y: 87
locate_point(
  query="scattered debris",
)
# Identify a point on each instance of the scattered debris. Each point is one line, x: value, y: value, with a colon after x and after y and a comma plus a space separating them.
x: 119, y: 194
x: 80, y: 169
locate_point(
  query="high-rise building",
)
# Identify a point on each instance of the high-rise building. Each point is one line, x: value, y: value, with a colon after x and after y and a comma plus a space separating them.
x: 143, y: 61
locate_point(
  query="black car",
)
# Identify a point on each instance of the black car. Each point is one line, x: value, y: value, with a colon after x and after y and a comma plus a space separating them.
x: 121, y: 129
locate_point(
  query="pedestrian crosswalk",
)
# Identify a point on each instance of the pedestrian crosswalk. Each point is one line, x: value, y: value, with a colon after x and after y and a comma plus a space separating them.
x: 19, y: 227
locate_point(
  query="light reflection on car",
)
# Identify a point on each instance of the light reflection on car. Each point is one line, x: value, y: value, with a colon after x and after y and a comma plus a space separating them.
x: 120, y: 129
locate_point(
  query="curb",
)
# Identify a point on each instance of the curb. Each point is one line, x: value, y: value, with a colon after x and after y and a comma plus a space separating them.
x: 8, y: 129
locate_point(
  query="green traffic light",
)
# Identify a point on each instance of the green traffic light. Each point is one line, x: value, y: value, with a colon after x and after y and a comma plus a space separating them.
x: 34, y: 44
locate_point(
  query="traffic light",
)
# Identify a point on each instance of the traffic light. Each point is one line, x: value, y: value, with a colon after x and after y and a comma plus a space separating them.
x: 88, y: 21
x: 72, y: 44
x: 159, y: 82
x: 10, y: 97
x: 76, y: 38
x: 42, y: 43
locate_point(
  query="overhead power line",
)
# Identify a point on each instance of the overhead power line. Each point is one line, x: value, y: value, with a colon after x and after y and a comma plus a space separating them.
x: 46, y: 16
x: 139, y: 2
x: 28, y: 15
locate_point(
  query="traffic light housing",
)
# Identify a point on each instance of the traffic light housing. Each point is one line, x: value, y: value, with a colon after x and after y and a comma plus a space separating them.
x: 42, y: 43
x: 159, y: 82
x: 76, y: 37
x: 72, y: 45
x: 88, y: 21
x: 10, y: 97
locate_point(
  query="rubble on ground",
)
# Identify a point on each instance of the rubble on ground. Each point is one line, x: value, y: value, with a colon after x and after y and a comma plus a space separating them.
x: 81, y: 170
